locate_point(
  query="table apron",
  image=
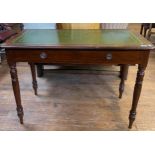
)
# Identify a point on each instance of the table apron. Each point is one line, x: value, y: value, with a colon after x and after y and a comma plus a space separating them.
x: 77, y: 56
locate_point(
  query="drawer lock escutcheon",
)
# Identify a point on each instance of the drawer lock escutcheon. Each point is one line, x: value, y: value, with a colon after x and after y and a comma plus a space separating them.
x: 43, y: 55
x: 109, y: 56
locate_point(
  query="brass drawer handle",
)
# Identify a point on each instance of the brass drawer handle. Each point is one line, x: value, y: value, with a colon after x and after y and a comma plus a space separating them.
x: 109, y: 56
x: 43, y: 55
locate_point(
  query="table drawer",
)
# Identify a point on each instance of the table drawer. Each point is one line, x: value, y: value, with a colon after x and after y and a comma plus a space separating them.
x: 77, y: 57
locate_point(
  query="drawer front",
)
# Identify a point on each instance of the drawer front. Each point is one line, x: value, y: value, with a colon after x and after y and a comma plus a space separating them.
x: 76, y: 57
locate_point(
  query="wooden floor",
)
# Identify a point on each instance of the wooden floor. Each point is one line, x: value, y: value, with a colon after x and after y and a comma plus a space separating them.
x: 77, y: 99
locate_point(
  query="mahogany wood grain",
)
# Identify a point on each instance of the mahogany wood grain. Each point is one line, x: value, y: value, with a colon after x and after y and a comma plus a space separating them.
x: 75, y: 56
x: 123, y: 78
x: 40, y: 70
x: 136, y: 94
x: 16, y: 90
x: 124, y: 72
x: 34, y: 81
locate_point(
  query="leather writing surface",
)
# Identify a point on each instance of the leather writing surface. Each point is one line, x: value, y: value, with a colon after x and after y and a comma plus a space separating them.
x: 96, y: 38
x: 77, y: 37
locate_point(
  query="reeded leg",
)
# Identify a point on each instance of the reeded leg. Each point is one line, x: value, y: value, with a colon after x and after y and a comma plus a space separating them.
x: 34, y: 81
x: 40, y: 70
x: 149, y: 31
x: 120, y: 71
x: 16, y: 90
x: 124, y: 72
x: 141, y: 30
x: 136, y: 94
x: 145, y: 30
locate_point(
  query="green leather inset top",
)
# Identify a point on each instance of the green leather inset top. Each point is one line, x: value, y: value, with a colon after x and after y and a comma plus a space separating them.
x: 97, y: 38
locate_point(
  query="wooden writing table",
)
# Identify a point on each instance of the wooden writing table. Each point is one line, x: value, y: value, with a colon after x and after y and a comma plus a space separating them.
x: 78, y: 47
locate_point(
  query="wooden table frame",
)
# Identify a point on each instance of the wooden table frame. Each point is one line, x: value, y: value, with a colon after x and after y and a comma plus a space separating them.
x: 137, y: 90
x: 78, y: 55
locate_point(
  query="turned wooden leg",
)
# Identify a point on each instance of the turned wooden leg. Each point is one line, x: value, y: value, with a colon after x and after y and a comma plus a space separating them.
x: 136, y: 94
x: 141, y: 30
x: 16, y: 90
x: 40, y: 70
x: 149, y: 32
x: 120, y: 71
x: 145, y: 30
x: 124, y: 70
x: 34, y: 81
